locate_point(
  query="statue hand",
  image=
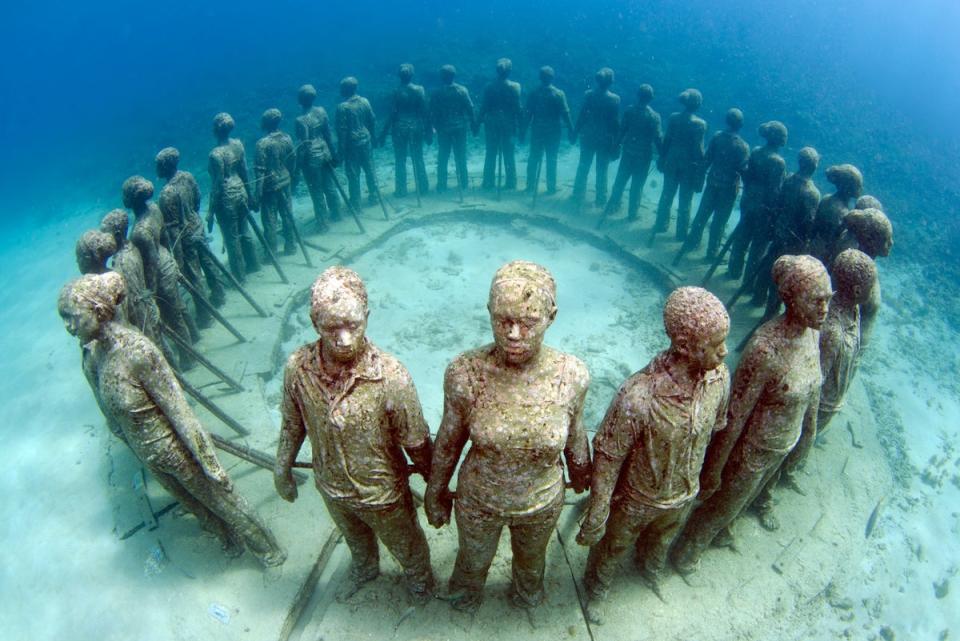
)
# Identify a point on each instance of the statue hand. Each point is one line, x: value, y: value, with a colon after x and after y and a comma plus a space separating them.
x: 590, y: 534
x: 438, y: 508
x: 708, y: 486
x: 286, y: 486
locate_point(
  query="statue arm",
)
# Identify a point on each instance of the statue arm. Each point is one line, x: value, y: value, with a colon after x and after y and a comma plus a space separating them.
x: 565, y: 112
x: 259, y: 170
x: 808, y: 434
x: 451, y: 439
x: 406, y: 421
x: 215, y: 169
x: 388, y: 122
x: 293, y: 431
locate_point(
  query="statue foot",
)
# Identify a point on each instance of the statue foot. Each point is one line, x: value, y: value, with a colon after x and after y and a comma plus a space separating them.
x: 596, y: 610
x: 274, y: 558
x: 768, y: 521
x: 724, y: 539
x: 352, y: 584
x: 789, y: 481
x: 468, y: 602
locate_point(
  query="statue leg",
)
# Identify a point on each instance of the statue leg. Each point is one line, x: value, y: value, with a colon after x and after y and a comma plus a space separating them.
x: 351, y: 165
x: 529, y: 537
x: 460, y: 155
x: 623, y: 527
x: 723, y: 207
x: 285, y: 211
x: 603, y: 166
x: 268, y: 218
x: 684, y: 205
x: 400, y: 144
x: 654, y: 541
x: 491, y: 139
x: 416, y: 158
x: 330, y: 195
x: 587, y: 152
x: 230, y: 230
x: 671, y: 182
x: 478, y: 534
x: 708, y: 203
x: 508, y: 147
x: 443, y: 159
x: 638, y: 177
x: 619, y: 185
x: 536, y: 153
x: 230, y: 538
x: 362, y: 541
x: 398, y: 528
x: 551, y: 148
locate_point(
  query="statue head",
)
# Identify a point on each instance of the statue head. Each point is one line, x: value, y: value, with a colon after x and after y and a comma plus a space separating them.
x: 697, y: 324
x: 644, y: 94
x: 338, y: 309
x: 604, y: 78
x: 734, y: 119
x: 116, y: 223
x: 89, y: 302
x: 405, y: 72
x: 137, y: 190
x: 447, y: 74
x: 804, y: 286
x: 868, y: 202
x: 223, y: 124
x: 691, y: 99
x: 853, y: 274
x: 93, y: 249
x: 774, y: 132
x: 504, y: 67
x: 808, y: 159
x: 167, y: 161
x: 872, y: 229
x: 348, y: 86
x: 522, y: 306
x: 270, y: 120
x: 306, y: 95
x: 847, y: 179
x: 546, y: 75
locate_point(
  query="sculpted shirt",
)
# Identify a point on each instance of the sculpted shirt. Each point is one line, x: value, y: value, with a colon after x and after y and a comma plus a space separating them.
x: 179, y: 203
x: 357, y: 424
x: 547, y: 111
x: 727, y: 155
x: 640, y: 131
x: 662, y: 431
x: 451, y: 109
x: 519, y: 423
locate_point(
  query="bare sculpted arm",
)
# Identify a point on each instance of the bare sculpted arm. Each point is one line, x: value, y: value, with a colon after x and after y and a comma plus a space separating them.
x: 451, y: 439
x: 293, y: 431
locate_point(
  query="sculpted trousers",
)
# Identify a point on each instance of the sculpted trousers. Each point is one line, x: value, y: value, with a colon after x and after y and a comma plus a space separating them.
x: 745, y: 475
x: 674, y: 181
x: 241, y: 253
x: 479, y: 533
x: 275, y: 212
x: 633, y: 169
x: 397, y: 526
x: 716, y: 205
x: 201, y: 271
x: 587, y: 153
x: 356, y: 159
x: 650, y: 529
x: 456, y: 141
x: 409, y: 144
x: 543, y: 145
x: 323, y: 193
x: 499, y: 141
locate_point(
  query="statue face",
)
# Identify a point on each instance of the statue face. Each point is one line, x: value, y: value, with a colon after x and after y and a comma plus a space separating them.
x: 810, y: 306
x: 81, y: 321
x: 342, y: 325
x: 520, y: 321
x: 709, y: 353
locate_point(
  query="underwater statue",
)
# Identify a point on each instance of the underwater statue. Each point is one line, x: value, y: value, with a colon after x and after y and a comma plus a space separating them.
x: 520, y: 404
x: 231, y: 199
x: 356, y: 126
x: 139, y: 396
x: 648, y: 451
x: 762, y: 184
x: 854, y: 276
x: 274, y: 168
x: 639, y: 135
x: 139, y: 307
x: 872, y: 231
x: 315, y: 157
x: 773, y: 411
x: 792, y: 224
x: 360, y: 410
x: 726, y: 162
x: 409, y: 122
x: 598, y: 124
x: 681, y: 161
x: 500, y: 112
x: 179, y: 203
x: 159, y: 266
x: 93, y: 249
x: 828, y: 223
x: 451, y: 114
x: 546, y: 113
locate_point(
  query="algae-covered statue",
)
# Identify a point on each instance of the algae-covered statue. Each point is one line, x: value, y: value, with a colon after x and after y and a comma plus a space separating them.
x: 500, y: 116
x: 231, y: 199
x: 762, y: 183
x: 681, y: 161
x: 872, y: 231
x: 648, y: 451
x: 360, y: 410
x: 451, y: 114
x: 315, y: 157
x: 773, y: 409
x: 597, y: 126
x: 726, y: 159
x: 854, y: 275
x: 545, y: 116
x: 409, y: 122
x: 93, y: 249
x: 274, y: 168
x: 159, y: 266
x: 639, y: 135
x: 144, y: 406
x: 179, y: 203
x: 828, y: 223
x: 356, y: 126
x: 520, y: 404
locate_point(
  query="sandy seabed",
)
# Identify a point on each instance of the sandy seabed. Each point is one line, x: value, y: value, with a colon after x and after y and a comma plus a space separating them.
x: 69, y: 496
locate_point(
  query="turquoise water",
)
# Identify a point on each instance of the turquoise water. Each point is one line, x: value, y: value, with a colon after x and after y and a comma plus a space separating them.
x: 91, y: 92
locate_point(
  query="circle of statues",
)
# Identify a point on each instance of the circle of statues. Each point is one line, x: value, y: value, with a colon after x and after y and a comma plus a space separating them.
x: 684, y: 448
